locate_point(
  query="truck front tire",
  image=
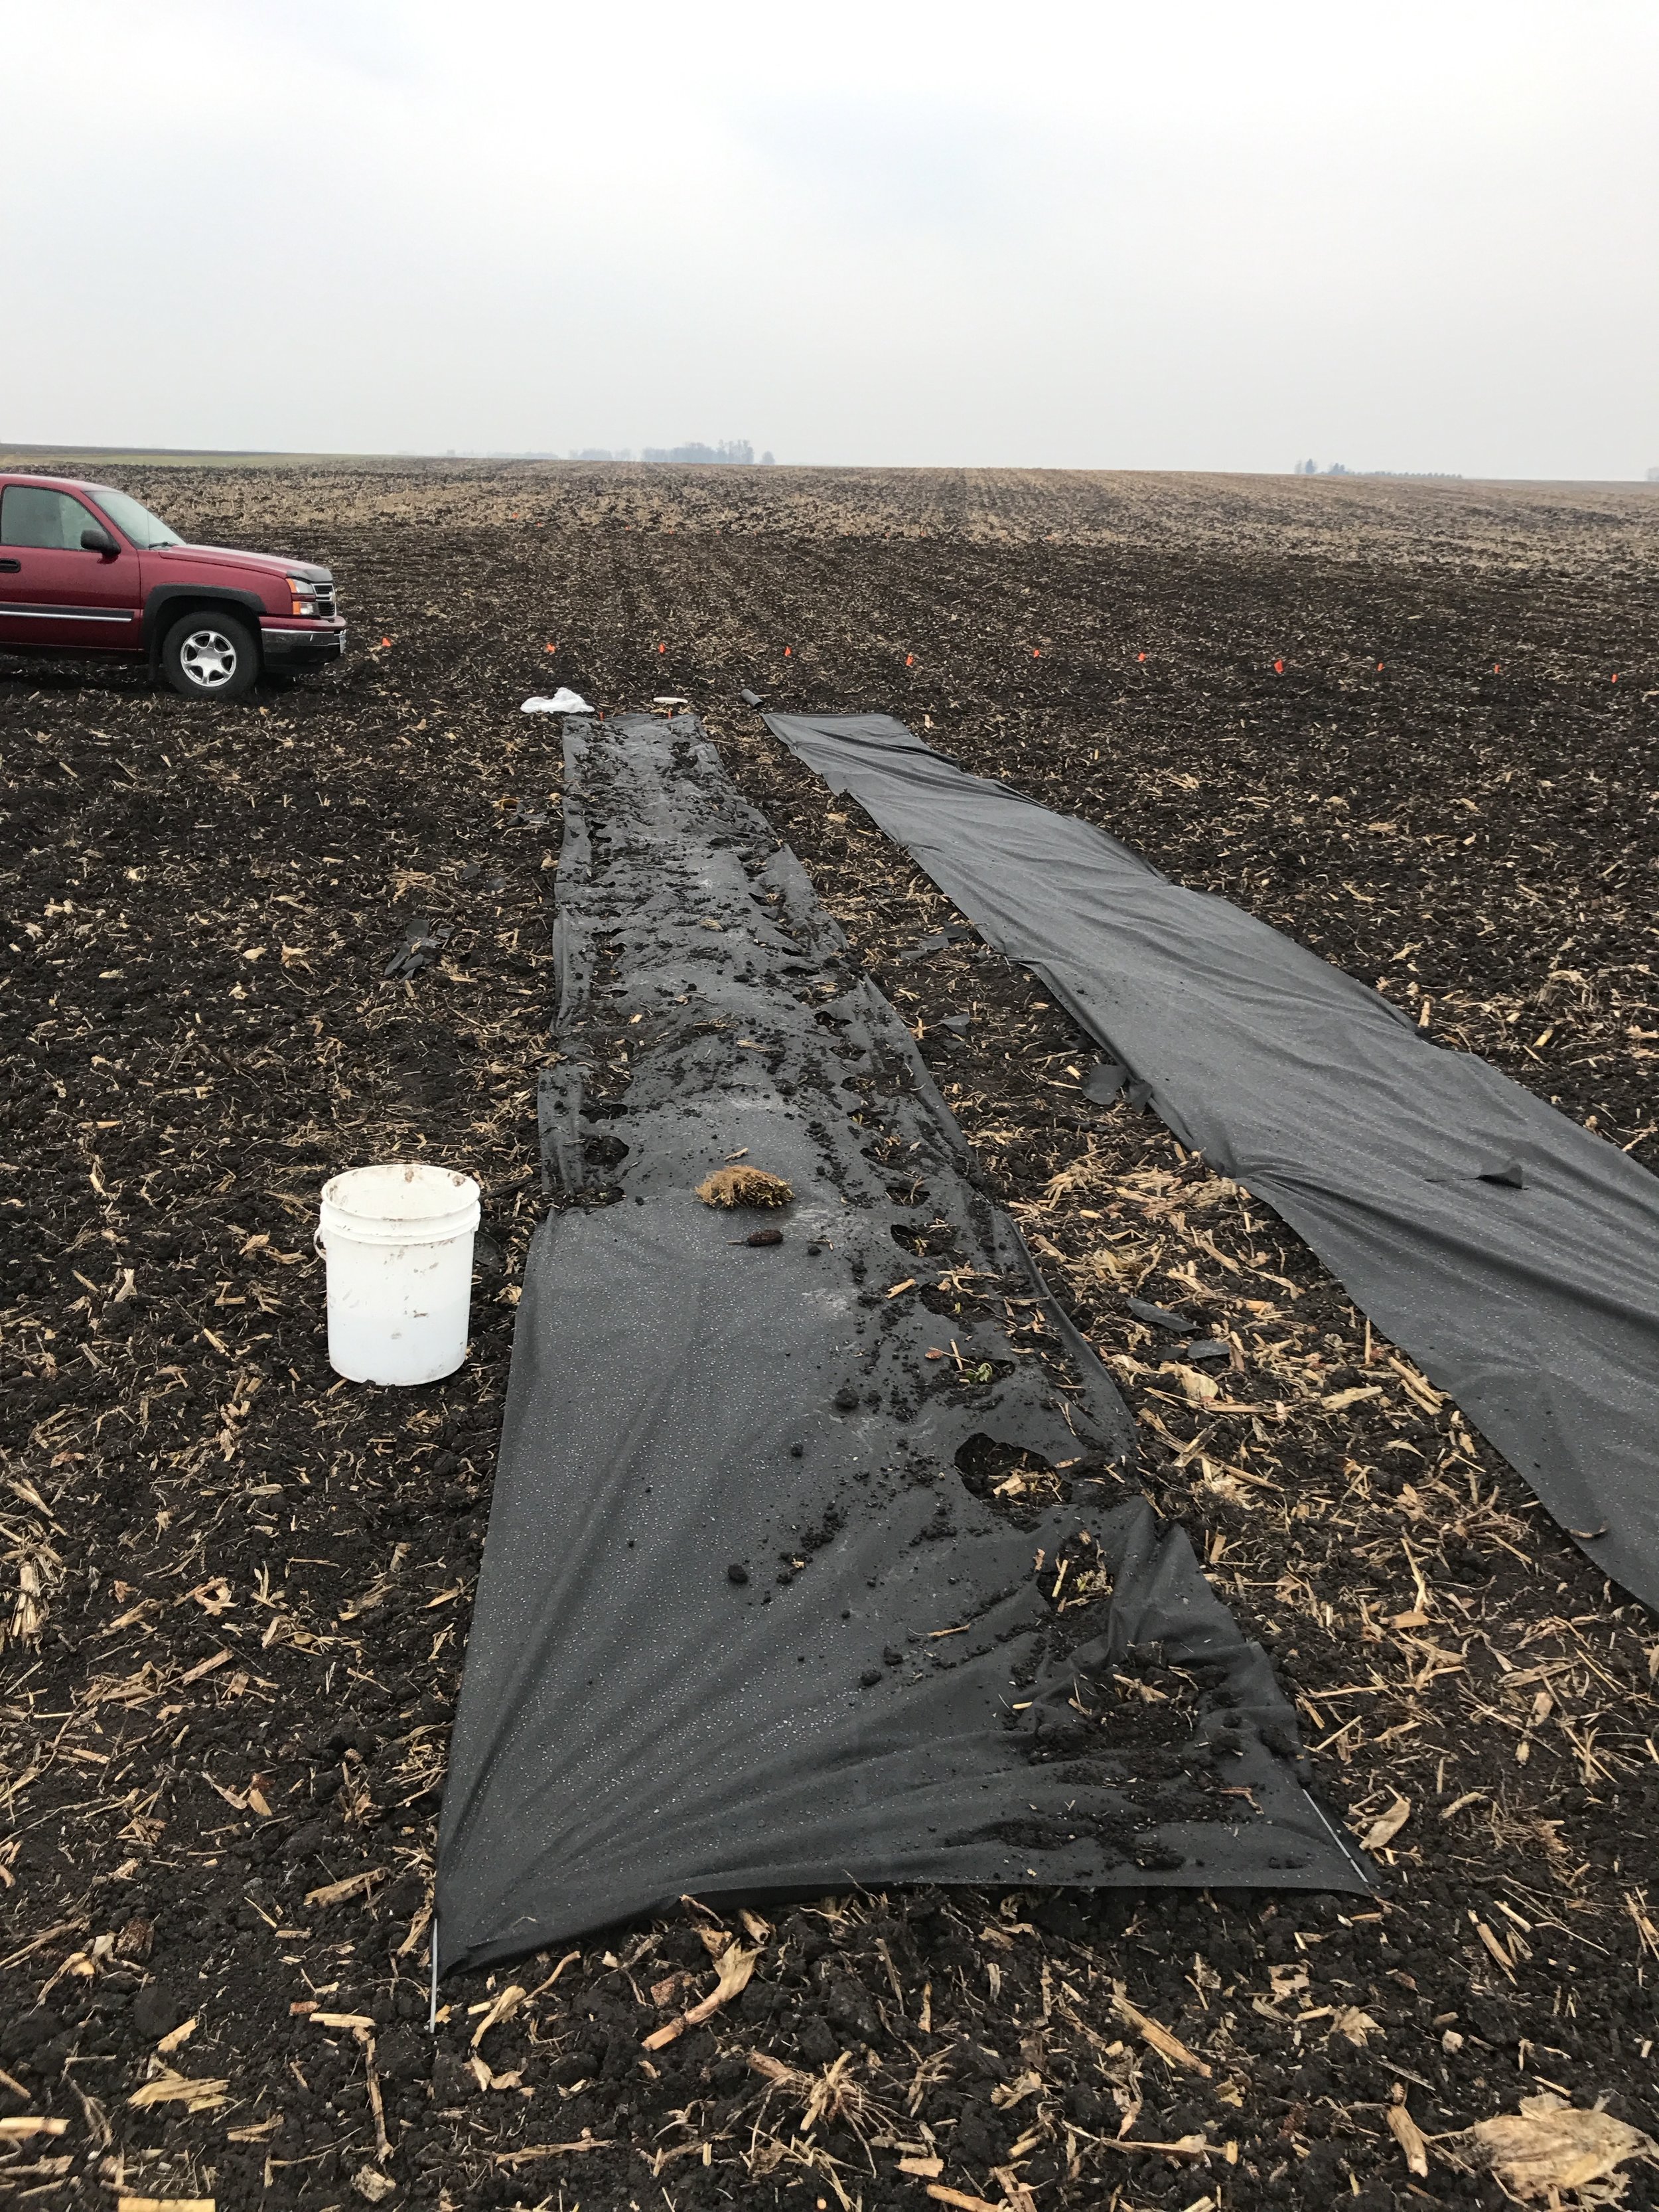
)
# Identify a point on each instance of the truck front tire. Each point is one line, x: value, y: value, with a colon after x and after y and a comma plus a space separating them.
x: 210, y: 655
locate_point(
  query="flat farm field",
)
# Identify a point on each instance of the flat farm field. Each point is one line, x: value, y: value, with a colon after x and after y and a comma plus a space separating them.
x: 1412, y: 724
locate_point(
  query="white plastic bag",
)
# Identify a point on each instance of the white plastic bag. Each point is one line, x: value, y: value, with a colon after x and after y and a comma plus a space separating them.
x: 563, y: 701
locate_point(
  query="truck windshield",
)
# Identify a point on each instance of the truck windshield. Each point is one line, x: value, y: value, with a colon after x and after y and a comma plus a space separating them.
x: 144, y: 529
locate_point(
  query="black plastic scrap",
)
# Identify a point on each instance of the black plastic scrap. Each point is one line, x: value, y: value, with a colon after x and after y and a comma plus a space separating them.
x: 1513, y: 1254
x: 812, y: 1562
x: 952, y: 934
x: 1109, y: 1080
x: 524, y: 814
x: 1161, y: 1317
x: 1103, y: 1081
x: 423, y: 944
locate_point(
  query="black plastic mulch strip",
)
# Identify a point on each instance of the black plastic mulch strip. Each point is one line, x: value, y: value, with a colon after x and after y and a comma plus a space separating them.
x: 1514, y: 1255
x: 813, y: 1561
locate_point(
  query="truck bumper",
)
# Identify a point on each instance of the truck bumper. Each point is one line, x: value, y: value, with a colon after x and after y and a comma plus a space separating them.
x: 287, y: 646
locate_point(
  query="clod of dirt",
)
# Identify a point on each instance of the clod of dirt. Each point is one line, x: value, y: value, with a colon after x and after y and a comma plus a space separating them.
x: 402, y: 2054
x: 737, y: 1572
x: 32, y: 2029
x: 744, y: 1187
x: 761, y: 1236
x: 156, y: 2012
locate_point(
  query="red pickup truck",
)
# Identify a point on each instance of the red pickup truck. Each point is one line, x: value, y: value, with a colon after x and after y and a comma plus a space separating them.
x: 84, y: 569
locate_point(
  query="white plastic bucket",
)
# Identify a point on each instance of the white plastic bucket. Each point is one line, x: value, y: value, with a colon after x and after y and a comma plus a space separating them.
x: 398, y: 1241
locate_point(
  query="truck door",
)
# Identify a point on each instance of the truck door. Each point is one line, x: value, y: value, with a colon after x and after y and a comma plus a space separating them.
x: 52, y: 591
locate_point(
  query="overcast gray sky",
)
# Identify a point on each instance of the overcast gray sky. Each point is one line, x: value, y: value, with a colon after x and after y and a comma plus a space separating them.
x: 1211, y: 235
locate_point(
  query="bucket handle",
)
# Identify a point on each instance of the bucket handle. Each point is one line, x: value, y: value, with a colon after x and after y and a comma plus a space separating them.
x: 317, y: 1245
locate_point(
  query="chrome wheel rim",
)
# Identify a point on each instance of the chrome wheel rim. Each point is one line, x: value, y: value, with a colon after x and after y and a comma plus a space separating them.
x: 209, y: 659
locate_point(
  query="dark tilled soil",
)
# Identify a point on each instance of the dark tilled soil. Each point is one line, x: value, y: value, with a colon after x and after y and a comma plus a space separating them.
x: 238, y: 1590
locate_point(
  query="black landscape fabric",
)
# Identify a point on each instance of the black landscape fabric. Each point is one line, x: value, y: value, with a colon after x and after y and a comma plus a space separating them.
x: 813, y: 1561
x: 1512, y: 1253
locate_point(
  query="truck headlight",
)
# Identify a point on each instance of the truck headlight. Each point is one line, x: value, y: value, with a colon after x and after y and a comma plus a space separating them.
x: 304, y: 596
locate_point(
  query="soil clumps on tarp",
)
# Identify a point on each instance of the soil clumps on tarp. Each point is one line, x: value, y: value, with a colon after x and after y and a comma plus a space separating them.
x: 938, y: 1670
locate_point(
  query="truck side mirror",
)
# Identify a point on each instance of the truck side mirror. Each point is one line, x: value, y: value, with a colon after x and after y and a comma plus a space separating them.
x: 95, y: 539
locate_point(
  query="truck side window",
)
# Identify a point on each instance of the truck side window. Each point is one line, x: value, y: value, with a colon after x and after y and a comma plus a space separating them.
x: 32, y: 515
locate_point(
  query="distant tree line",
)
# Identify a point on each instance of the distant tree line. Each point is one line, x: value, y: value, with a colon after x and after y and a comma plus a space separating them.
x: 731, y: 451
x: 1435, y: 476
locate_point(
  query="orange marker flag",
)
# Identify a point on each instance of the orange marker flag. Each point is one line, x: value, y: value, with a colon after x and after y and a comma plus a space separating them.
x: 386, y: 640
x: 910, y: 662
x: 787, y: 650
x: 1035, y: 653
x: 1495, y: 669
x: 550, y: 648
x: 1141, y: 656
x: 662, y: 648
x: 1379, y: 668
x: 1278, y: 668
